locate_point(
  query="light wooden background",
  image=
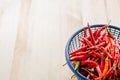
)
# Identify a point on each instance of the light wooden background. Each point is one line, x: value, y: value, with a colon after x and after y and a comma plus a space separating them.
x: 33, y: 34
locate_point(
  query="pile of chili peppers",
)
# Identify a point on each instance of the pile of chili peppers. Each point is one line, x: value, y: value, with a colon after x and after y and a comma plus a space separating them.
x: 98, y: 57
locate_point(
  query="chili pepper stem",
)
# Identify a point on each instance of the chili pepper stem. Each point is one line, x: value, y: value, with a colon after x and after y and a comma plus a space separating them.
x: 73, y: 76
x: 87, y: 71
x: 64, y: 64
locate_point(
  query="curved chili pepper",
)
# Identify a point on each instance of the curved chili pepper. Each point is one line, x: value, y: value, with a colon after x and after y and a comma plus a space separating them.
x: 80, y: 49
x: 110, y: 71
x: 107, y: 74
x: 78, y: 54
x: 105, y: 67
x: 99, y: 71
x: 104, y: 51
x: 107, y: 46
x: 112, y: 51
x: 99, y: 39
x: 91, y: 63
x: 98, y: 78
x: 94, y: 34
x: 78, y: 57
x: 101, y: 29
x: 95, y: 54
x: 96, y: 46
x: 87, y: 41
x: 81, y: 40
x: 91, y: 34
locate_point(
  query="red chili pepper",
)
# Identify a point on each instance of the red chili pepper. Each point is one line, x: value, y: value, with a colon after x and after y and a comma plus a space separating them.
x: 87, y: 41
x: 96, y: 46
x: 119, y: 43
x: 91, y: 34
x: 102, y: 65
x: 110, y: 35
x: 85, y: 33
x: 107, y: 46
x: 107, y: 74
x: 95, y: 54
x: 98, y: 78
x: 82, y: 41
x: 80, y: 49
x: 110, y: 77
x: 104, y: 51
x: 106, y: 39
x: 110, y: 64
x: 100, y: 30
x: 100, y: 38
x: 94, y: 34
x: 99, y: 71
x: 78, y: 57
x: 78, y: 54
x: 92, y: 64
x: 112, y: 51
x: 73, y: 63
x: 114, y: 74
x: 110, y: 71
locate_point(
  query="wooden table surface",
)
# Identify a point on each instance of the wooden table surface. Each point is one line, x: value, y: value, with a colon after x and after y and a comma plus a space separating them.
x: 33, y: 34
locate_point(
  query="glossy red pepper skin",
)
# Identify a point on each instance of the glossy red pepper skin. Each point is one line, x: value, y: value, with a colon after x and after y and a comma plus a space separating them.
x: 110, y: 77
x: 87, y: 42
x: 100, y: 38
x: 105, y: 52
x: 91, y: 63
x: 100, y: 30
x: 80, y: 49
x: 99, y: 71
x: 91, y: 34
x: 78, y: 54
x: 102, y: 65
x: 107, y: 47
x: 81, y: 57
x: 108, y: 74
x: 94, y: 34
x: 96, y: 46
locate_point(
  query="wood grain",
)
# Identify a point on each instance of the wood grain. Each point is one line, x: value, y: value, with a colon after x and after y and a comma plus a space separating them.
x: 21, y: 43
x: 35, y: 38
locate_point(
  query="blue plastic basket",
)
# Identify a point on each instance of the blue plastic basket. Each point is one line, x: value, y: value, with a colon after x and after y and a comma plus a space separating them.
x: 73, y: 44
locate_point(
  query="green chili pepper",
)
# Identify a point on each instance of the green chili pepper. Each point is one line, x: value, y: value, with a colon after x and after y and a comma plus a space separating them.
x: 77, y: 65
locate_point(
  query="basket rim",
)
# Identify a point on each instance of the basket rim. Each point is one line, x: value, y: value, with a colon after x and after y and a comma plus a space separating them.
x: 68, y: 44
